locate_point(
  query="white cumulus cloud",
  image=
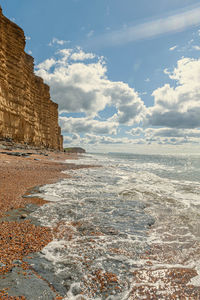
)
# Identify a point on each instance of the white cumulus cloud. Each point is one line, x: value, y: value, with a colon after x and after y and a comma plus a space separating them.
x: 80, y: 86
x: 81, y: 55
x: 85, y: 125
x: 178, y: 107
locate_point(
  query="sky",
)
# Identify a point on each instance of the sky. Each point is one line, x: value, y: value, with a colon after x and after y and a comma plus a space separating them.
x: 125, y: 74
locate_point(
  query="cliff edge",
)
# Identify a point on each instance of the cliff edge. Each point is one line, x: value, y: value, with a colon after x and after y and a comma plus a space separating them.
x: 27, y: 114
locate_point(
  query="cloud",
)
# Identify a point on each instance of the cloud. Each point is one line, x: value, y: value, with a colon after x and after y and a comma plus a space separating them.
x: 85, y: 125
x: 173, y: 136
x: 196, y: 48
x: 56, y: 41
x: 170, y: 24
x: 178, y: 107
x: 130, y: 108
x: 92, y: 139
x: 90, y: 33
x: 73, y: 138
x: 84, y: 87
x: 190, y: 46
x: 150, y: 136
x: 168, y: 141
x: 172, y: 132
x: 136, y: 131
x: 79, y: 84
x: 81, y: 55
x: 173, y: 48
x: 189, y: 119
x: 76, y: 87
x: 47, y: 64
x: 67, y: 140
x: 96, y: 139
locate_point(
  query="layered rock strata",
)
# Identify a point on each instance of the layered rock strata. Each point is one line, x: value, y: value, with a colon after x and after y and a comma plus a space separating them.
x: 27, y: 114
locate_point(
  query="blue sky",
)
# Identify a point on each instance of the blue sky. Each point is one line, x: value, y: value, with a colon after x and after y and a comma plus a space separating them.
x: 125, y: 73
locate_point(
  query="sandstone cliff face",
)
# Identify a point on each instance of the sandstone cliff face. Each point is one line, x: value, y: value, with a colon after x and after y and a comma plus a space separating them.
x: 27, y: 114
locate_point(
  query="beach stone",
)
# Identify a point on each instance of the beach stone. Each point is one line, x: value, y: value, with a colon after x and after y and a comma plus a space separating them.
x: 23, y: 216
x: 19, y: 214
x: 16, y: 154
x: 2, y: 265
x: 30, y: 286
x: 17, y: 262
x: 76, y: 290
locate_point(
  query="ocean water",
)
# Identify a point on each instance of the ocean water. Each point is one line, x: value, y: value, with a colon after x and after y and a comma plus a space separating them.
x: 107, y: 220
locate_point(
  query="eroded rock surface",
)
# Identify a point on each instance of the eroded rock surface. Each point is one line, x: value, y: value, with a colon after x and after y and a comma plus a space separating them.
x: 27, y: 114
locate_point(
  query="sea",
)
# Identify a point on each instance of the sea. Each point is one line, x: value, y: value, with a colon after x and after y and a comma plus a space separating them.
x: 122, y: 224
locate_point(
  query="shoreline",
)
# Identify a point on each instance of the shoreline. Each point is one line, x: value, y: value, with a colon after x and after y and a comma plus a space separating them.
x: 162, y: 275
x: 20, y: 237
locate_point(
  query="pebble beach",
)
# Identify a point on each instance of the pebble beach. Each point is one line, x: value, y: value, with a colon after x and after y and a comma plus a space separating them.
x: 18, y: 236
x: 71, y: 230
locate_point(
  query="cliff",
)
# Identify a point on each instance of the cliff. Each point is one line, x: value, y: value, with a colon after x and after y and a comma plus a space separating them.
x: 74, y: 150
x: 27, y: 114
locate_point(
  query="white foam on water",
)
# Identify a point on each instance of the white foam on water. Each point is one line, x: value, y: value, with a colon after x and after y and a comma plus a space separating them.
x: 87, y: 159
x: 196, y: 280
x: 108, y: 195
x: 53, y: 251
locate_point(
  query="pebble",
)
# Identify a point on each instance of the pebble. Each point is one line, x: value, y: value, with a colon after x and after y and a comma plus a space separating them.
x: 23, y: 216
